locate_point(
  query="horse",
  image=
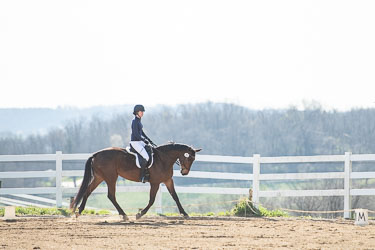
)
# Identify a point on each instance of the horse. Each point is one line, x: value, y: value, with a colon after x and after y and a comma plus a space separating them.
x: 107, y: 164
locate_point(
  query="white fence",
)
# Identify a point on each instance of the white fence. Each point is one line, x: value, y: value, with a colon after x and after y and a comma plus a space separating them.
x: 256, y: 177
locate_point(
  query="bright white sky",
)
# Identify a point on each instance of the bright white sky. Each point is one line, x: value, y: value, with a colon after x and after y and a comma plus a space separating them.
x: 259, y: 54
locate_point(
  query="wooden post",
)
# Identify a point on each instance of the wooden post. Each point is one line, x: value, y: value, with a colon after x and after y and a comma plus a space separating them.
x: 256, y: 173
x: 58, y: 179
x: 347, y: 185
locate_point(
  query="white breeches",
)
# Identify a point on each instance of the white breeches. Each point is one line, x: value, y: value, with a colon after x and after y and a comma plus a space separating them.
x: 139, y: 146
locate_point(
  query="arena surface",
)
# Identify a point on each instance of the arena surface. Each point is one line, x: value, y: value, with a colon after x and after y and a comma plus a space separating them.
x: 109, y: 232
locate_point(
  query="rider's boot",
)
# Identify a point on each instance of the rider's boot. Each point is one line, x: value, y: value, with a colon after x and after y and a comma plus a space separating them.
x: 143, y: 164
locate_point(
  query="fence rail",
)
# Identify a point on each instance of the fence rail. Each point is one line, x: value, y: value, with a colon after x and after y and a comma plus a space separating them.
x: 256, y: 177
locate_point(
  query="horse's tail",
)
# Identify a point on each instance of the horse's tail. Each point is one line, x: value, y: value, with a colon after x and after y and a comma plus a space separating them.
x: 85, y: 183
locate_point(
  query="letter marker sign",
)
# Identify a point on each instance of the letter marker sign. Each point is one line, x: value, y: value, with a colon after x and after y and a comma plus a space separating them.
x: 361, y: 217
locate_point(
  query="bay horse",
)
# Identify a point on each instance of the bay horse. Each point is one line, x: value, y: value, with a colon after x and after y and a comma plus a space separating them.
x: 107, y: 164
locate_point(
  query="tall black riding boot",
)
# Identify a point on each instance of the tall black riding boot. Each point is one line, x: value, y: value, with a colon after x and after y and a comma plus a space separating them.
x: 143, y: 164
x: 142, y: 178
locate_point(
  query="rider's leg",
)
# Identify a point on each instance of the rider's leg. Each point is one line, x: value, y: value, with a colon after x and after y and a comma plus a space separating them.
x: 139, y: 146
x: 142, y: 157
x: 143, y: 164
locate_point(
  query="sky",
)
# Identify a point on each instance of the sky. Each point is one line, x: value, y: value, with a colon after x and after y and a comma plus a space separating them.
x: 258, y: 54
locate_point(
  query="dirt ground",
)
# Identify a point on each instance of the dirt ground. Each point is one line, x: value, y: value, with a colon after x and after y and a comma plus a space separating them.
x: 109, y: 232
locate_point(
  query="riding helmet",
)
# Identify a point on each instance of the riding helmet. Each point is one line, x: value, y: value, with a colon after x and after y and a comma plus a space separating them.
x: 137, y: 108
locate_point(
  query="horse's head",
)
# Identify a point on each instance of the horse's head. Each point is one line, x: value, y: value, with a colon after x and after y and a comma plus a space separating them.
x: 186, y: 159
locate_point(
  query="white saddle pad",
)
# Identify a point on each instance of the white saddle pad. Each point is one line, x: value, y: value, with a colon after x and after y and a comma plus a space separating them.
x: 136, y: 158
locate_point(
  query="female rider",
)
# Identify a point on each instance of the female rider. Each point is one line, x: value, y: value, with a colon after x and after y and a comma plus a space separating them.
x: 139, y: 139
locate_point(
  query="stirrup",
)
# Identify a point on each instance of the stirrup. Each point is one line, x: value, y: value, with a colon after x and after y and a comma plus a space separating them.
x: 143, y: 176
x: 147, y: 177
x: 143, y: 179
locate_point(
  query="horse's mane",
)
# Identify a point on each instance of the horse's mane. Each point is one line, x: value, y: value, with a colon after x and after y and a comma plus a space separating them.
x: 174, y: 146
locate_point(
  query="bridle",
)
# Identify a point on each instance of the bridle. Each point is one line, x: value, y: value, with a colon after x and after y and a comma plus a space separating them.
x: 154, y: 146
x: 178, y: 163
x: 186, y: 155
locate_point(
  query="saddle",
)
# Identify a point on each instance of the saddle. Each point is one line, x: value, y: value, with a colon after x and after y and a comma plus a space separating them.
x: 138, y: 157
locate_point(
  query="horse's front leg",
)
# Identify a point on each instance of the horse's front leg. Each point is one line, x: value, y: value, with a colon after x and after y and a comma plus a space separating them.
x: 154, y: 189
x: 170, y: 186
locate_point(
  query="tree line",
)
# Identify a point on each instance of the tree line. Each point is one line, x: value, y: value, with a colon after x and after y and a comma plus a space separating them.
x: 224, y: 129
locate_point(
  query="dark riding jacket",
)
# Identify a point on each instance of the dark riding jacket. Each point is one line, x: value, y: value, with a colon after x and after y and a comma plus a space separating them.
x: 137, y: 130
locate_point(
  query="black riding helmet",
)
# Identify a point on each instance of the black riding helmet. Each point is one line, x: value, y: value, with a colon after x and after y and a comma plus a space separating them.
x: 138, y: 108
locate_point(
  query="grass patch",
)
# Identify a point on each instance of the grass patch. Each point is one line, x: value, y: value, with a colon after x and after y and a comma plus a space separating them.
x: 37, y: 211
x: 241, y: 209
x: 192, y: 203
x: 226, y: 213
x: 209, y: 214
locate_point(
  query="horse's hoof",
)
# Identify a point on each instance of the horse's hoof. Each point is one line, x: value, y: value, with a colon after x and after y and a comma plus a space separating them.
x: 186, y: 216
x: 125, y: 218
x: 138, y: 216
x: 77, y: 214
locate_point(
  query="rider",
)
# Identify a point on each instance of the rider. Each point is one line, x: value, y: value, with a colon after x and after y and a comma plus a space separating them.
x: 139, y: 139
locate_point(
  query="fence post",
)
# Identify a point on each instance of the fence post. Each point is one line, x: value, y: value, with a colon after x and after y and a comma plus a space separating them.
x: 256, y: 173
x: 58, y: 178
x: 347, y: 185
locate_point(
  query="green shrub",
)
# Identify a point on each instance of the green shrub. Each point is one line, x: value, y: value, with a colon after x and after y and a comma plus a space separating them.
x: 272, y: 213
x: 246, y: 208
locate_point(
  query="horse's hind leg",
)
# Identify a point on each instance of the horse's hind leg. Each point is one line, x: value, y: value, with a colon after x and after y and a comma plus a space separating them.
x: 154, y: 189
x: 112, y: 198
x: 94, y: 184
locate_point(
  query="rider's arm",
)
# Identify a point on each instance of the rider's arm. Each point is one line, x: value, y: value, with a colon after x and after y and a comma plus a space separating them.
x: 145, y: 136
